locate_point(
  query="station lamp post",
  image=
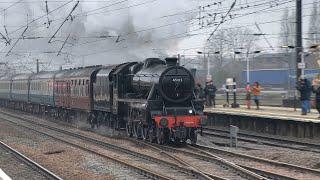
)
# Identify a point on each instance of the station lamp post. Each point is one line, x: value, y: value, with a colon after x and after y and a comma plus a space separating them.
x: 248, y: 62
x: 299, y: 66
x: 208, y: 62
x: 289, y: 69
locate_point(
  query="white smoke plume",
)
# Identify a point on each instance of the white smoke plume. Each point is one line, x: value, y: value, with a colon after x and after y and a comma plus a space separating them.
x: 100, y: 32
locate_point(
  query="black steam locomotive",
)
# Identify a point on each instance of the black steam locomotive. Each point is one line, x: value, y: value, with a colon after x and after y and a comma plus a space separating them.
x: 153, y: 100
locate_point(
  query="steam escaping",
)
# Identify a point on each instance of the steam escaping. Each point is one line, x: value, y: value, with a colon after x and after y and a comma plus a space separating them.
x: 99, y: 32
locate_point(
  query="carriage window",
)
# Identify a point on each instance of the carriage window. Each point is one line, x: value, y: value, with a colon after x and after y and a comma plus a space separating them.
x: 82, y: 82
x: 79, y: 81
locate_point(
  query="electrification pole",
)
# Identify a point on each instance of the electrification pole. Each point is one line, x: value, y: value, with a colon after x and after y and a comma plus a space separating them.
x: 37, y: 65
x: 298, y: 36
x: 248, y: 67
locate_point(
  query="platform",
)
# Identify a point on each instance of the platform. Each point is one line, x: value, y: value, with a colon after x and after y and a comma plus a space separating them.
x: 271, y: 120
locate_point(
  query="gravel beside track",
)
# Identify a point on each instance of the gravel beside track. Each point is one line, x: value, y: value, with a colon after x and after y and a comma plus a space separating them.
x: 18, y: 166
x: 258, y: 148
x: 65, y: 161
x: 214, y: 167
x: 202, y: 165
x: 272, y: 169
x: 151, y: 167
x: 302, y: 145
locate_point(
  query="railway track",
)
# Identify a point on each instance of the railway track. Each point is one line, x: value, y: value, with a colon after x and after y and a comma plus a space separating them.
x: 32, y: 165
x: 227, y: 163
x: 266, y: 140
x: 205, y: 164
x: 268, y: 168
x: 128, y: 158
x: 206, y: 157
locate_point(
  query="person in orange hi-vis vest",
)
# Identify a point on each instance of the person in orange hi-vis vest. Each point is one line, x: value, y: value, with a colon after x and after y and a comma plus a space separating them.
x: 256, y: 90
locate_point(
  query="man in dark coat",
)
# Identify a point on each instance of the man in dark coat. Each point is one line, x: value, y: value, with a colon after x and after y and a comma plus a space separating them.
x: 197, y: 90
x: 210, y: 91
x: 304, y: 87
x: 92, y: 119
x: 316, y: 90
x: 201, y: 94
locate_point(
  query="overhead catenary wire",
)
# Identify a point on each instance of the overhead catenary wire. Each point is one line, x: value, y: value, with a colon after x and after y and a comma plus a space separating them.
x: 154, y: 28
x: 74, y: 7
x: 47, y: 11
x: 101, y: 38
x: 222, y: 20
x: 64, y: 43
x: 40, y: 17
x: 186, y: 34
x: 264, y: 36
x: 13, y: 4
x: 166, y: 25
x: 21, y: 36
x: 134, y: 5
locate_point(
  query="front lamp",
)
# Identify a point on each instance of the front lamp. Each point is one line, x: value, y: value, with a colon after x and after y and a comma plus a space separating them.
x: 164, y: 122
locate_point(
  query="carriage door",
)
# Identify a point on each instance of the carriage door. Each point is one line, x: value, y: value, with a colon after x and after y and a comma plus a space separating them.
x: 111, y: 95
x: 115, y: 95
x: 67, y: 93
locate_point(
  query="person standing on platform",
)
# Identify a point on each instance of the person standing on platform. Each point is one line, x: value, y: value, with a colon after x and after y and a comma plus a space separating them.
x: 316, y: 90
x: 197, y: 90
x: 256, y: 90
x: 201, y: 94
x: 304, y: 87
x: 248, y: 96
x: 211, y: 94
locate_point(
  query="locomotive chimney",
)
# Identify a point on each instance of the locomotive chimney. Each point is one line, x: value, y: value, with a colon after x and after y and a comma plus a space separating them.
x: 171, y: 61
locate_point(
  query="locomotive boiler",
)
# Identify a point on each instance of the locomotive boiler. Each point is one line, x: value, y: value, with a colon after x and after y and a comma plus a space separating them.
x: 171, y: 110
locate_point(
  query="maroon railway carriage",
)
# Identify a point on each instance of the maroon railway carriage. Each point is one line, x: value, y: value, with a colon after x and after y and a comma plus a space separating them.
x: 73, y: 90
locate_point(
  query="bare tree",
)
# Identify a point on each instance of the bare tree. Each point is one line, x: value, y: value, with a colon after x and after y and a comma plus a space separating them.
x: 225, y: 43
x: 243, y: 40
x: 217, y: 46
x: 287, y: 29
x: 313, y: 34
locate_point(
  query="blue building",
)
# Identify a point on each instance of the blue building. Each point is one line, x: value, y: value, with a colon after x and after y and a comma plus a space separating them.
x: 279, y: 78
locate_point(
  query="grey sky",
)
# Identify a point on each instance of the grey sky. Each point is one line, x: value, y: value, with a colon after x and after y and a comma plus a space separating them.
x: 113, y: 31
x: 267, y: 16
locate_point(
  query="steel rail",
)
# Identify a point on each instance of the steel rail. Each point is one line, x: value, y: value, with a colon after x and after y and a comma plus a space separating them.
x: 164, y: 149
x: 245, y: 138
x: 140, y: 170
x: 42, y: 170
x: 207, y: 150
x: 104, y: 144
